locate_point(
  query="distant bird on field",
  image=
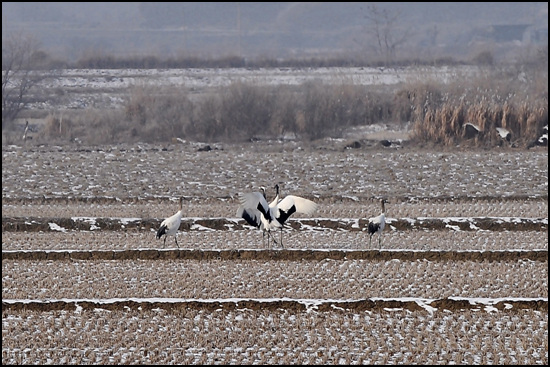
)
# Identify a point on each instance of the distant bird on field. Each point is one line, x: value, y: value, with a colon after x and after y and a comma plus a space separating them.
x: 170, y: 226
x: 289, y: 205
x: 505, y: 134
x: 25, y: 134
x: 471, y: 130
x: 541, y: 140
x: 377, y: 224
x: 257, y: 212
x: 385, y: 143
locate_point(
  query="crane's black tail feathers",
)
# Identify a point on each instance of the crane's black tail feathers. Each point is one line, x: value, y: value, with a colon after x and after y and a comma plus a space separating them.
x: 373, y: 228
x: 283, y: 215
x: 251, y: 218
x: 161, y: 231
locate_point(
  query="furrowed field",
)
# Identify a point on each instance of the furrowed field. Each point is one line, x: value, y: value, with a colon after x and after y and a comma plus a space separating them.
x: 461, y: 275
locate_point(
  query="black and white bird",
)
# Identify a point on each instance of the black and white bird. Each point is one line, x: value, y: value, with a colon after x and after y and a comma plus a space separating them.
x: 255, y: 210
x: 377, y: 224
x: 277, y: 198
x: 471, y: 130
x: 25, y: 134
x: 170, y: 226
x: 268, y: 217
x: 504, y: 134
x: 289, y: 205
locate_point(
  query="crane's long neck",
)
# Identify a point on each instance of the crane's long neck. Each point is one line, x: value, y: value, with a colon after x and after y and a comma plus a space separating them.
x: 276, y: 193
x: 383, y: 207
x: 276, y: 199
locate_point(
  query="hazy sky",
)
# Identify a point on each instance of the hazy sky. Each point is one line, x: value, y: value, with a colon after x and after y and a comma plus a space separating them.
x: 73, y: 29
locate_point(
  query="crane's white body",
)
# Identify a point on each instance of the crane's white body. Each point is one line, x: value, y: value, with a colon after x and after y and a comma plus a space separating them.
x: 376, y: 224
x: 504, y: 133
x: 170, y: 226
x: 25, y: 133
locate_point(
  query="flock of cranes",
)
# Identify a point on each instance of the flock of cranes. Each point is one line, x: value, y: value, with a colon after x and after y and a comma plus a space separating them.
x: 270, y: 217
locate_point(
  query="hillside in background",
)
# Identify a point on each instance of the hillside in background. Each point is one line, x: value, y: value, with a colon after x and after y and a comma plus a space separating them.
x: 278, y: 30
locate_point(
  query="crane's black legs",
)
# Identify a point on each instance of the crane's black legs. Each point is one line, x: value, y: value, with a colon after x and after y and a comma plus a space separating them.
x: 281, y: 241
x: 270, y: 235
x: 269, y: 239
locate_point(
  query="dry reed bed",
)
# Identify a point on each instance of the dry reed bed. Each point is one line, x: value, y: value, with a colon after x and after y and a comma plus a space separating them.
x: 244, y: 109
x: 444, y: 122
x: 325, y: 279
x: 267, y: 337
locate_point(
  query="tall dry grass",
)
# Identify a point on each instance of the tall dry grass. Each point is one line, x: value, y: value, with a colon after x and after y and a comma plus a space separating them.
x: 515, y: 98
x: 446, y: 124
x: 499, y: 98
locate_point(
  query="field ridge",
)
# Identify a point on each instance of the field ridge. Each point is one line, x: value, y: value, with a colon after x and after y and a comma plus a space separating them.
x: 36, y: 224
x: 454, y: 304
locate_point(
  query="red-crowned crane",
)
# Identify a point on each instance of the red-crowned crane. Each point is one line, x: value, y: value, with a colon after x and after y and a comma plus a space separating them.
x: 26, y: 132
x: 504, y: 134
x: 377, y: 224
x: 170, y: 226
x: 289, y: 205
x: 255, y: 210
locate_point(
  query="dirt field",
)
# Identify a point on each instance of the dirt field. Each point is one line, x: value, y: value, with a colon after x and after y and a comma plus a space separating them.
x: 461, y: 275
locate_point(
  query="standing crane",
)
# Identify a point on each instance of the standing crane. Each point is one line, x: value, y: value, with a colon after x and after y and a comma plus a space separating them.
x: 170, y: 226
x: 26, y: 132
x: 376, y: 224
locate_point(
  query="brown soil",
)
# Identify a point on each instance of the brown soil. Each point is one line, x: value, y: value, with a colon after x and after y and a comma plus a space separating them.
x: 376, y: 305
x: 278, y: 255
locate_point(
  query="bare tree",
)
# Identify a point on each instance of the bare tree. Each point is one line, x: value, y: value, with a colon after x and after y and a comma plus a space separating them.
x: 388, y: 34
x: 20, y: 57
